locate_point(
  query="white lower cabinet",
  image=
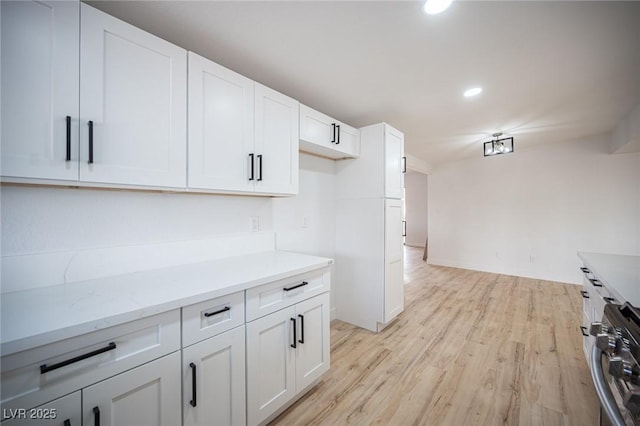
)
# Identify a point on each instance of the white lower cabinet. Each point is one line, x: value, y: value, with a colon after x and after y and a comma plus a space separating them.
x: 213, y: 372
x: 286, y: 352
x: 148, y: 395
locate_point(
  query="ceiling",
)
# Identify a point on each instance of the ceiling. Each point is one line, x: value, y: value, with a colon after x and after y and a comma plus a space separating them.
x: 550, y: 70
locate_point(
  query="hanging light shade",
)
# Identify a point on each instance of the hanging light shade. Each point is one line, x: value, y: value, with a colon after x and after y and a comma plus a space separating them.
x: 498, y: 145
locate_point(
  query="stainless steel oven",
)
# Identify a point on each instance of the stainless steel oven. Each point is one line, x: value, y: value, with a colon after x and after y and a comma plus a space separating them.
x: 614, y: 365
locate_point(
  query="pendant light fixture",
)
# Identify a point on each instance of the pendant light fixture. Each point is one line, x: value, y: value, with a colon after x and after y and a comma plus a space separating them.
x: 498, y: 146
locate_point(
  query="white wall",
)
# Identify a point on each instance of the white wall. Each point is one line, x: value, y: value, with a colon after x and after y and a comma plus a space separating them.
x: 529, y: 212
x: 306, y: 223
x: 415, y: 192
x: 51, y: 219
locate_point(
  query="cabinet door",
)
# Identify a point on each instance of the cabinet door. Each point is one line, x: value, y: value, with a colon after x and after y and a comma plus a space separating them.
x: 270, y: 364
x: 148, y: 395
x: 312, y: 353
x: 134, y: 90
x: 65, y: 411
x: 40, y: 83
x: 393, y: 274
x: 219, y: 366
x: 393, y: 152
x: 220, y: 127
x: 349, y: 140
x: 276, y: 142
x: 316, y: 127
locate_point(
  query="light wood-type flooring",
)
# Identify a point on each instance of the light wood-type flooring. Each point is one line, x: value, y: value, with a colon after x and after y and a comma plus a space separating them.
x: 470, y: 348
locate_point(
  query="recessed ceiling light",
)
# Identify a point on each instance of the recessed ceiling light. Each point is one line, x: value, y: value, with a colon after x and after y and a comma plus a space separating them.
x: 472, y: 92
x: 433, y: 7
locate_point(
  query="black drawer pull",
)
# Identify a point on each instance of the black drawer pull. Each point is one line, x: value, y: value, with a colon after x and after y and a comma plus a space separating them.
x: 210, y: 314
x: 585, y: 270
x: 404, y: 164
x: 595, y: 282
x: 67, y: 422
x: 193, y: 401
x: 90, y: 142
x: 609, y: 299
x: 583, y: 329
x: 338, y: 130
x: 303, y: 283
x: 301, y: 340
x: 293, y: 345
x: 251, y: 167
x: 585, y: 294
x: 96, y: 416
x: 68, y: 156
x: 333, y: 125
x: 259, y: 167
x: 44, y: 368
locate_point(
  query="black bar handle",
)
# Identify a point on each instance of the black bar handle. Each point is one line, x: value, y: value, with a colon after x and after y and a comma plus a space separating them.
x: 293, y: 345
x: 90, y: 142
x: 67, y: 422
x: 333, y: 125
x: 595, y: 282
x: 96, y: 416
x: 259, y: 167
x: 210, y: 314
x: 404, y: 164
x: 44, y: 368
x: 193, y: 401
x: 303, y: 283
x: 585, y: 270
x: 609, y: 299
x: 583, y: 329
x: 585, y: 294
x: 251, y: 167
x: 338, y: 129
x: 68, y: 156
x: 301, y: 329
x: 404, y: 228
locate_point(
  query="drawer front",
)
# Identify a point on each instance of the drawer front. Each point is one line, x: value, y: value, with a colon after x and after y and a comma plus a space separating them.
x: 31, y: 378
x: 206, y: 319
x: 274, y: 296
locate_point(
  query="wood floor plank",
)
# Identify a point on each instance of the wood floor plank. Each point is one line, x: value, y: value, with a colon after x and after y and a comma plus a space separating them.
x: 471, y: 348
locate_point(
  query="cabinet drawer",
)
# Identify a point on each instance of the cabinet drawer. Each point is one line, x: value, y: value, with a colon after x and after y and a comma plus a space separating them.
x: 274, y: 296
x: 205, y: 319
x: 53, y: 413
x: 33, y: 377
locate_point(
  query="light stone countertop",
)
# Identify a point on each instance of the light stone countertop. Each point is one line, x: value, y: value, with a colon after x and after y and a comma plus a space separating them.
x: 618, y: 273
x: 31, y: 318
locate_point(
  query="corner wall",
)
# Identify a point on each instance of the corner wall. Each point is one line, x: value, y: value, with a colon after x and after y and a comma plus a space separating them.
x: 529, y: 212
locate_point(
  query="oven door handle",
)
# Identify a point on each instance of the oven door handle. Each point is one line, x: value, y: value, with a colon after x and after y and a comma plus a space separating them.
x: 607, y: 400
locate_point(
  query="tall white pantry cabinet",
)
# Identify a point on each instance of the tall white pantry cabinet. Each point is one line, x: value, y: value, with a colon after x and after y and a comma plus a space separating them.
x: 369, y: 282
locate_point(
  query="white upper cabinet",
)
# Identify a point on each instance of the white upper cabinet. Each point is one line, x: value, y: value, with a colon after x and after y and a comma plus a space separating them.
x: 112, y: 112
x: 276, y: 142
x: 325, y: 136
x: 221, y: 122
x: 394, y: 163
x: 133, y: 97
x: 40, y: 89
